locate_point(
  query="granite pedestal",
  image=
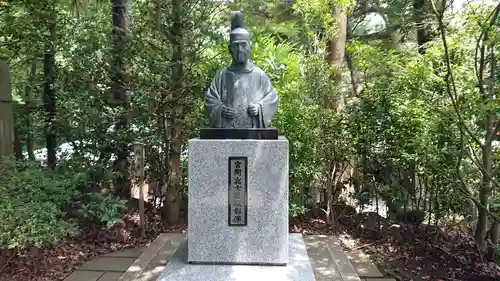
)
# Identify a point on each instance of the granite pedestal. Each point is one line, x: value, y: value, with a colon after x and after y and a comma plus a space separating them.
x: 298, y: 269
x: 260, y: 235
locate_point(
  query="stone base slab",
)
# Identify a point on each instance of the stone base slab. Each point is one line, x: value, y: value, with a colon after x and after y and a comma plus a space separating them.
x: 327, y: 258
x: 298, y: 269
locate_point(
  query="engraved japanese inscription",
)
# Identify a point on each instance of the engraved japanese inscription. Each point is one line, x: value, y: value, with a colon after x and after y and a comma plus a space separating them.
x: 238, y: 200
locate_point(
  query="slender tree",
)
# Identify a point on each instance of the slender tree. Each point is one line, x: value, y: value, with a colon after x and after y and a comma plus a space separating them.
x: 119, y: 90
x: 49, y: 92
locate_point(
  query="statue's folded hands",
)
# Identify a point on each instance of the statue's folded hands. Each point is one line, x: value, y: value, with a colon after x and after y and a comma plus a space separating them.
x: 227, y: 112
x: 253, y: 109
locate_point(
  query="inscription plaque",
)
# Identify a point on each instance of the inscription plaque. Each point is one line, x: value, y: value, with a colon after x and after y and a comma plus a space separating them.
x: 237, y: 195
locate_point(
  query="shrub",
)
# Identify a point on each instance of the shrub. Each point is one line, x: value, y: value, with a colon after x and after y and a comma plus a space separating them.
x: 103, y: 208
x: 32, y: 205
x: 34, y: 202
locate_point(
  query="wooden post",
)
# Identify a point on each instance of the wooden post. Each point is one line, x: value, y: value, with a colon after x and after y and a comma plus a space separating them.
x: 6, y: 114
x: 139, y: 154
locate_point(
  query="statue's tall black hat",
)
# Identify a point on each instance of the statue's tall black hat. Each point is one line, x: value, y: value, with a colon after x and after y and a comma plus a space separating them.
x: 238, y: 31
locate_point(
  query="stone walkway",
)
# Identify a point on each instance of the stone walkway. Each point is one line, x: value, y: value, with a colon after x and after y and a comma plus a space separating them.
x: 365, y: 268
x: 109, y: 267
x: 146, y: 264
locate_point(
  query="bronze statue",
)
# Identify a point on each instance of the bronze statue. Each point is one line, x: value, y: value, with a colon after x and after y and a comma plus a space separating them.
x: 241, y: 95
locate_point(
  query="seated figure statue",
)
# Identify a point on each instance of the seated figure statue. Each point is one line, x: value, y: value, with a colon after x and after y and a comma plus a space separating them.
x: 241, y: 95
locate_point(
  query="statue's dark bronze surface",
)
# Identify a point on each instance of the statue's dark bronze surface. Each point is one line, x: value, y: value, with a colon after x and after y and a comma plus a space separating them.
x: 242, y: 133
x: 241, y: 95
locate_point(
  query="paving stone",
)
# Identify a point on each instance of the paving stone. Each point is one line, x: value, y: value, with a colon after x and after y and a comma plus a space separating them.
x: 110, y: 276
x: 168, y: 249
x: 363, y: 265
x: 358, y: 256
x: 155, y: 250
x: 127, y: 253
x: 108, y: 264
x: 151, y: 273
x: 344, y: 265
x: 322, y: 262
x: 83, y: 275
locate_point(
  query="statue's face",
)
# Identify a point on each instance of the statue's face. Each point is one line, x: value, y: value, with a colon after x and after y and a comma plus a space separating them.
x: 240, y: 50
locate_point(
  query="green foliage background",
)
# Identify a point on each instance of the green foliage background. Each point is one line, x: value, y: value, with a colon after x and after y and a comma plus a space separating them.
x: 400, y: 132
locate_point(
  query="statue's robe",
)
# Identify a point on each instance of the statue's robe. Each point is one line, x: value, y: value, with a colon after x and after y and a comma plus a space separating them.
x: 238, y: 90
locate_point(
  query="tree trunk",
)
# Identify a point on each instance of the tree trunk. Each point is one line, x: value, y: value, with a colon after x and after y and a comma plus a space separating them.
x: 335, y: 55
x: 49, y: 95
x: 18, y: 147
x: 494, y: 236
x: 357, y: 87
x: 329, y: 193
x: 423, y: 28
x: 335, y: 58
x: 174, y: 184
x: 6, y: 112
x: 486, y: 190
x: 139, y: 154
x: 490, y: 121
x: 176, y: 114
x: 119, y: 89
x: 28, y: 109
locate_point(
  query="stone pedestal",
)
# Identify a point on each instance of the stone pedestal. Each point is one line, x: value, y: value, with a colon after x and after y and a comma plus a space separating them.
x: 238, y: 201
x: 298, y: 268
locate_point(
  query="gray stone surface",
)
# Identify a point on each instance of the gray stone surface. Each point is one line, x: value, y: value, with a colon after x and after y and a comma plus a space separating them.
x: 110, y: 276
x: 298, y: 269
x: 329, y: 260
x: 127, y: 253
x: 322, y: 262
x: 108, y: 264
x: 168, y: 249
x: 363, y: 264
x: 145, y: 267
x: 264, y: 240
x: 84, y: 275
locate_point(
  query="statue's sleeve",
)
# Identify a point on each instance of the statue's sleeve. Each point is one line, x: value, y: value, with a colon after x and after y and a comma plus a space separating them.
x: 213, y: 101
x: 269, y: 103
